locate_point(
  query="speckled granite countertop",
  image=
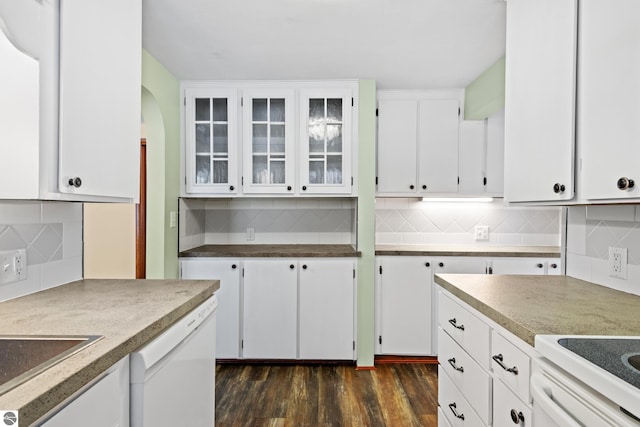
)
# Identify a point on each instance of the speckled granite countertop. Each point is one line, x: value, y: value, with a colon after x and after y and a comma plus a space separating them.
x: 128, y: 313
x: 470, y: 250
x: 558, y: 305
x: 275, y: 251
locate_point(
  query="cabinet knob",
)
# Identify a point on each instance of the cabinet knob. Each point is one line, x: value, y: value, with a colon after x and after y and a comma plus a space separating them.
x: 231, y: 188
x: 558, y: 188
x: 304, y: 188
x: 427, y: 264
x: 625, y: 183
x: 292, y: 266
x: 441, y: 264
x: 424, y: 187
x: 411, y: 187
x: 75, y: 182
x: 554, y: 265
x: 304, y: 266
x: 288, y: 188
x: 517, y: 417
x: 233, y: 266
x: 539, y: 265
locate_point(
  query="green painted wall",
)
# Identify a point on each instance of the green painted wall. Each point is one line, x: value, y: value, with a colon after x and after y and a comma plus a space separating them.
x: 485, y: 95
x: 161, y: 114
x: 366, y: 222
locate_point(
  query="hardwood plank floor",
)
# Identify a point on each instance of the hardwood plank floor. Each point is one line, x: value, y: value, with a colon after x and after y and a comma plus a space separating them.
x: 326, y: 395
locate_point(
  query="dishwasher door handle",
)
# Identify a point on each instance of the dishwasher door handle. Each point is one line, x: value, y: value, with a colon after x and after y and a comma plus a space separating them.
x: 543, y: 400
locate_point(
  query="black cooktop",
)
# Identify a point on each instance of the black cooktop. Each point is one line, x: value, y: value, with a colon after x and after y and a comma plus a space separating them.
x: 619, y: 356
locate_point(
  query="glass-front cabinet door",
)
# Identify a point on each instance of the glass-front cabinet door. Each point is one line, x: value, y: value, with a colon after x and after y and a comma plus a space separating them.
x: 325, y: 142
x: 268, y: 141
x: 211, y: 121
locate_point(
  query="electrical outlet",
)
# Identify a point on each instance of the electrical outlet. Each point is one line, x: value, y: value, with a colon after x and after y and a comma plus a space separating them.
x: 482, y: 232
x: 251, y: 234
x: 13, y: 266
x: 618, y: 262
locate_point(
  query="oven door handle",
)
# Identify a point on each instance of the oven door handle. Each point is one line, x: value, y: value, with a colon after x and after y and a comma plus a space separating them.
x: 543, y: 399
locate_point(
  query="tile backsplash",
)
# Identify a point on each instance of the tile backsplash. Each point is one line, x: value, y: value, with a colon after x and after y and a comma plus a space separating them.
x: 273, y: 221
x: 588, y: 242
x: 52, y: 234
x: 411, y: 221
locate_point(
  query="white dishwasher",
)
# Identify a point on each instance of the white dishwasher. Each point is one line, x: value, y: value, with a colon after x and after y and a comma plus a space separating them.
x: 173, y: 377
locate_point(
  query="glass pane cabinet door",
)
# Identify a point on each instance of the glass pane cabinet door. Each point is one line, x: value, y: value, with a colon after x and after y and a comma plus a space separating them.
x: 326, y: 142
x: 211, y: 123
x: 268, y: 145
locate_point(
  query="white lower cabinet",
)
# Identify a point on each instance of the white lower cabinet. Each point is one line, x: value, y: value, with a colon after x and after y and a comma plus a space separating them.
x: 404, y: 305
x: 326, y: 309
x: 105, y: 402
x: 270, y: 316
x: 281, y: 308
x: 484, y: 369
x: 227, y: 271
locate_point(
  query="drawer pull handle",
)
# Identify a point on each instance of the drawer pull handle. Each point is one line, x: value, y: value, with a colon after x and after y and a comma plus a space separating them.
x: 452, y: 362
x: 499, y: 360
x: 517, y: 417
x: 455, y: 325
x: 452, y: 406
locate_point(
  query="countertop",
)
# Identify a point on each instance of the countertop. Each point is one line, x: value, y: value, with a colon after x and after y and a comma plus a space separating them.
x: 540, y: 305
x: 128, y: 313
x: 470, y: 250
x: 281, y: 251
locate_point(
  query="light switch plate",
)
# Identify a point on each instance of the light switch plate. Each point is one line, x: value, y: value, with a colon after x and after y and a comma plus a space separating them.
x: 251, y: 234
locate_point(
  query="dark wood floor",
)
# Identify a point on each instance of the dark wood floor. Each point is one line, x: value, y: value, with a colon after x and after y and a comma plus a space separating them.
x: 326, y: 395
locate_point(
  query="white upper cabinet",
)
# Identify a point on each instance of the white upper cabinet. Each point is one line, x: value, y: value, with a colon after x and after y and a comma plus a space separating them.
x: 325, y: 141
x: 608, y: 93
x: 65, y: 145
x: 540, y: 100
x: 438, y: 121
x: 268, y: 130
x: 212, y: 140
x: 257, y: 138
x: 417, y: 143
x: 495, y: 154
x: 397, y: 145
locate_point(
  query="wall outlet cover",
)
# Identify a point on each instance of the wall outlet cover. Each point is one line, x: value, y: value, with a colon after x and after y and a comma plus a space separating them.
x: 618, y: 262
x: 251, y: 234
x: 481, y: 232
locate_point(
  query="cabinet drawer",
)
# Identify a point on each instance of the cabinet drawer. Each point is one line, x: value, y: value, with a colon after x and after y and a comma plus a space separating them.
x: 470, y: 332
x: 508, y: 410
x: 466, y: 374
x: 458, y: 411
x: 511, y: 365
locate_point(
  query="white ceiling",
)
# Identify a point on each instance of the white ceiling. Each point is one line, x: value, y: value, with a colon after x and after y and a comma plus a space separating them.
x: 402, y: 44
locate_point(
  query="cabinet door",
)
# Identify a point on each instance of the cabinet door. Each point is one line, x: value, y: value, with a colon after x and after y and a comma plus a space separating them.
x: 325, y: 144
x: 460, y: 265
x: 100, y: 97
x: 495, y: 155
x: 473, y: 157
x: 270, y: 309
x: 211, y: 140
x: 268, y: 125
x: 438, y: 122
x: 518, y: 266
x: 608, y: 125
x: 540, y: 92
x: 397, y: 145
x: 326, y: 309
x: 227, y: 271
x: 405, y: 306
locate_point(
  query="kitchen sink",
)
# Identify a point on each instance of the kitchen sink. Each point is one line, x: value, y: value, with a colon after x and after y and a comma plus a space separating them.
x: 23, y: 357
x: 634, y: 361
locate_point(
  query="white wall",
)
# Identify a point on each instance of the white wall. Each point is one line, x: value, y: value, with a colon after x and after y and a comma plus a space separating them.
x: 590, y: 233
x: 52, y: 234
